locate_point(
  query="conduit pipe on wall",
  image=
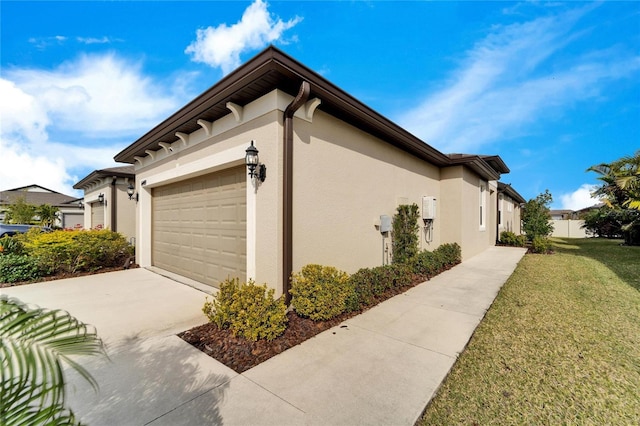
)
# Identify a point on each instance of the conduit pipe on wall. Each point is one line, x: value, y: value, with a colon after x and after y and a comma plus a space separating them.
x: 287, y: 198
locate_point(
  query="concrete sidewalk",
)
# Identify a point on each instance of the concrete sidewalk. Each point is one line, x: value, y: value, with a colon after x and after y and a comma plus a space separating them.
x: 381, y: 367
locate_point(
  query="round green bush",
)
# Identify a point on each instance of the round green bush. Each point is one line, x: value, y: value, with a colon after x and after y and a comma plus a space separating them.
x: 248, y: 310
x: 320, y: 292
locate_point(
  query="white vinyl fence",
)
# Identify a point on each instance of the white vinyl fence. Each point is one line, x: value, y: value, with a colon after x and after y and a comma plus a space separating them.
x: 568, y: 228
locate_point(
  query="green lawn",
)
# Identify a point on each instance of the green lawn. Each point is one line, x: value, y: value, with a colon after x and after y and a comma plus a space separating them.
x: 560, y: 345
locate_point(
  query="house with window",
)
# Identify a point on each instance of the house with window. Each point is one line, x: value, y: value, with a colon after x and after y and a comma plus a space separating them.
x: 69, y: 208
x: 107, y: 204
x: 275, y: 167
x: 509, y: 208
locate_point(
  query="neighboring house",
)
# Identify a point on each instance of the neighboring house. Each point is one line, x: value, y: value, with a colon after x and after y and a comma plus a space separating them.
x: 561, y: 214
x: 333, y: 168
x: 568, y: 223
x: 70, y: 213
x: 106, y: 201
x: 509, y: 208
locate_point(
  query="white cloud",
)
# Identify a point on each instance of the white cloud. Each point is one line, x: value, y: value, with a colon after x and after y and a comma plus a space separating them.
x: 71, y: 120
x: 221, y: 46
x: 504, y: 85
x: 96, y: 94
x: 579, y: 199
x: 94, y: 40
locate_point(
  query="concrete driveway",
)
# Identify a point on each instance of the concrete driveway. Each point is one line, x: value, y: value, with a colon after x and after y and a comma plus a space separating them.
x: 381, y: 367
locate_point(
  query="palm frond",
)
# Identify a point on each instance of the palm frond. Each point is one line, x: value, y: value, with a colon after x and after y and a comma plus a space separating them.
x: 35, y: 343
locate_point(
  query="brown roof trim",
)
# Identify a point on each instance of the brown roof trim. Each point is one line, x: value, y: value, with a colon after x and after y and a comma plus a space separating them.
x: 508, y: 189
x: 477, y: 163
x: 122, y: 171
x: 269, y: 70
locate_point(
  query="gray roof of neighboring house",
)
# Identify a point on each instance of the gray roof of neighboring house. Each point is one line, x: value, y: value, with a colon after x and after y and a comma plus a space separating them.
x: 39, y: 197
x: 273, y: 69
x: 121, y: 171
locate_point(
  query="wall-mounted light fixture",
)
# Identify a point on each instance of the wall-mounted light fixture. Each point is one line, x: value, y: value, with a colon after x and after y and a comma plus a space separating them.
x: 253, y: 162
x: 101, y: 198
x: 80, y: 205
x: 131, y: 192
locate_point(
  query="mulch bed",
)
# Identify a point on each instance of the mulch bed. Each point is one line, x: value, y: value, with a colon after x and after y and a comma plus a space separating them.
x: 241, y: 354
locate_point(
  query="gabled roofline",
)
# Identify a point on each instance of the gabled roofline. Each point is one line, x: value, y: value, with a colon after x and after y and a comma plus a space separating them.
x: 31, y: 186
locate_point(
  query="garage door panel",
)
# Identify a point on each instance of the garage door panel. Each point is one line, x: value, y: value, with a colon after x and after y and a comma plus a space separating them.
x: 199, y: 227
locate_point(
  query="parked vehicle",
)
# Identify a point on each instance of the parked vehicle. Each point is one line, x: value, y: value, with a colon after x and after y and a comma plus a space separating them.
x: 9, y: 230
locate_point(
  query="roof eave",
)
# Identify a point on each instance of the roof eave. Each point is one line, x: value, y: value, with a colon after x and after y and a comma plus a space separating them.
x: 273, y: 60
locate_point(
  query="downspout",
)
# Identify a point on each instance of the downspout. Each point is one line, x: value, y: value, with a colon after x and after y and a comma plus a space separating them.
x: 287, y: 196
x: 114, y: 205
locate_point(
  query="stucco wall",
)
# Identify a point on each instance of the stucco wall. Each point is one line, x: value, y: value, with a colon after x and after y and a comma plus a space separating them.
x: 568, y: 229
x: 344, y: 179
x: 125, y: 208
x: 460, y: 205
x: 510, y: 216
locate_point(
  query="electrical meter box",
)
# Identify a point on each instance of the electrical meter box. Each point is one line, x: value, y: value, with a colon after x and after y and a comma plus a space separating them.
x: 428, y: 208
x: 385, y: 223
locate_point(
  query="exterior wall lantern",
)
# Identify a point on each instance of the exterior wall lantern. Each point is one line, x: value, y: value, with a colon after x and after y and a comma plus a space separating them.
x: 131, y: 192
x: 253, y: 162
x: 101, y: 198
x: 80, y: 205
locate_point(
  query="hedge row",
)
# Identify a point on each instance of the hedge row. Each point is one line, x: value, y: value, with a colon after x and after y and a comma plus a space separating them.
x: 34, y: 254
x: 319, y: 293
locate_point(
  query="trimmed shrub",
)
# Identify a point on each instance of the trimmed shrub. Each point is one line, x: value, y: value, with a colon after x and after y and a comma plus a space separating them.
x: 368, y: 283
x: 426, y: 264
x: 72, y: 251
x: 248, y: 310
x: 18, y: 267
x: 541, y: 245
x: 511, y: 239
x: 319, y: 292
x: 451, y: 254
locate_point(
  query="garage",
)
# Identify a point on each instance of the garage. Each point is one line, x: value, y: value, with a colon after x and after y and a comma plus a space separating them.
x: 199, y: 226
x: 97, y: 216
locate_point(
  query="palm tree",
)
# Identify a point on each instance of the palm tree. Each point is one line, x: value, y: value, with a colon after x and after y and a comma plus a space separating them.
x: 47, y: 214
x: 34, y: 344
x: 621, y: 192
x: 621, y: 179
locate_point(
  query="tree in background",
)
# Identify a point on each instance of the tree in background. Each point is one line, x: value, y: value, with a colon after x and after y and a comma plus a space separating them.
x: 20, y: 212
x: 620, y: 193
x: 536, y: 216
x: 47, y: 214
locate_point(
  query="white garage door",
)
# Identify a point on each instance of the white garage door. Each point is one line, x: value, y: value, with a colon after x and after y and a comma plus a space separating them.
x: 200, y: 227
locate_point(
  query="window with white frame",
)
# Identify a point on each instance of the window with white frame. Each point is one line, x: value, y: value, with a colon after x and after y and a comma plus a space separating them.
x: 500, y: 208
x: 483, y: 205
x: 509, y: 204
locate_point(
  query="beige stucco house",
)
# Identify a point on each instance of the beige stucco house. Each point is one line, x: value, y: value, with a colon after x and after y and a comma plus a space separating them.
x: 509, y: 207
x: 335, y: 171
x: 107, y: 204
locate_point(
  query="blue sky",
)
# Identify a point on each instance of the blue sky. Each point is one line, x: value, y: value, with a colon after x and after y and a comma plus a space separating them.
x: 551, y: 87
